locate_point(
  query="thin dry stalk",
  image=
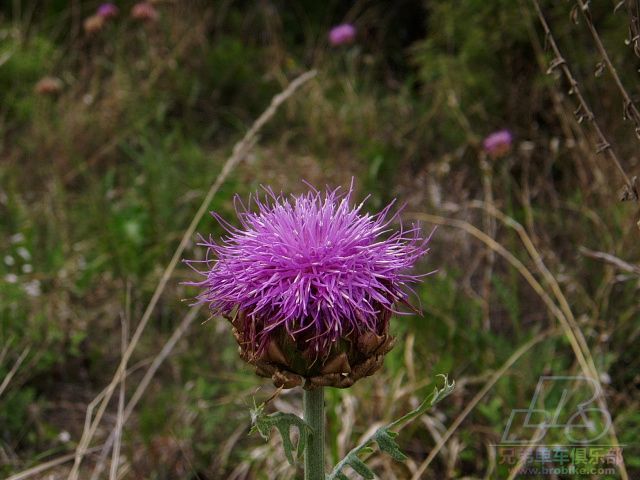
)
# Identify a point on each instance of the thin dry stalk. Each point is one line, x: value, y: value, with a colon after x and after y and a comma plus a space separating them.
x: 480, y: 395
x: 5, y: 349
x: 519, y: 266
x: 144, y: 383
x: 239, y: 152
x: 489, y: 225
x: 526, y: 454
x: 630, y: 109
x: 14, y: 369
x: 115, y: 458
x: 43, y: 467
x: 550, y: 279
x: 563, y: 314
x: 611, y: 259
x: 227, y: 447
x: 633, y: 9
x: 564, y: 305
x: 30, y: 472
x: 491, y: 458
x: 570, y: 128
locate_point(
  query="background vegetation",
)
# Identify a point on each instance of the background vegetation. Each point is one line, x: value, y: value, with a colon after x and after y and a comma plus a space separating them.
x: 100, y: 178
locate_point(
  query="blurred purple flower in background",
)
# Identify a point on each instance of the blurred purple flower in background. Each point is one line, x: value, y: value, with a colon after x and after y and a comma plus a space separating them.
x: 342, y: 34
x: 498, y: 143
x: 107, y: 11
x: 144, y: 11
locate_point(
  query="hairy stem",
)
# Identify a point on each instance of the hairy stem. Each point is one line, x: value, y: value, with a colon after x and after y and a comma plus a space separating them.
x: 313, y: 401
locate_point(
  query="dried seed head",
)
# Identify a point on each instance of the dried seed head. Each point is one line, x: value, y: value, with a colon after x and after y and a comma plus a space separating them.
x: 93, y: 24
x: 145, y: 12
x: 48, y: 86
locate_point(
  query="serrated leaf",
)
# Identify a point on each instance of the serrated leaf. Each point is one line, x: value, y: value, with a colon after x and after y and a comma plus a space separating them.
x: 387, y: 444
x: 263, y: 424
x: 445, y: 391
x: 360, y: 467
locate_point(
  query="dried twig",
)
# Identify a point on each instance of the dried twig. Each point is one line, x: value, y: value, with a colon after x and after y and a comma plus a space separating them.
x: 43, y: 467
x: 115, y: 457
x: 489, y: 225
x: 633, y: 9
x: 611, y: 259
x: 630, y: 109
x: 144, y: 383
x: 14, y: 369
x: 571, y: 129
x: 583, y: 111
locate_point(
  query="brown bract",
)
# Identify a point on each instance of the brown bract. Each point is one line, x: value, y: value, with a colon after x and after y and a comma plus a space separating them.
x: 289, y: 364
x: 48, y: 86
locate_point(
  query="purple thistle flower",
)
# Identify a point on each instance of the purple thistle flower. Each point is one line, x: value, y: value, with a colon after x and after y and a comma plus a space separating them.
x: 342, y: 34
x: 311, y: 267
x: 107, y: 11
x: 498, y: 143
x: 145, y: 12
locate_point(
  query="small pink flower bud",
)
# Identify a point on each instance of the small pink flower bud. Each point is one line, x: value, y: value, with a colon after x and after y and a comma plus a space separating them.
x: 342, y: 35
x: 107, y: 11
x: 145, y: 12
x: 498, y: 144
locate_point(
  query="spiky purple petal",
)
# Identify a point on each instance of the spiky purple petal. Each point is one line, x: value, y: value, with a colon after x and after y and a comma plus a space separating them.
x: 311, y: 264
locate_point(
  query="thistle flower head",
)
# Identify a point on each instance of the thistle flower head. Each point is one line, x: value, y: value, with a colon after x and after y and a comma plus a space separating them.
x: 498, y: 143
x: 342, y: 34
x: 107, y: 10
x: 310, y: 269
x: 145, y: 12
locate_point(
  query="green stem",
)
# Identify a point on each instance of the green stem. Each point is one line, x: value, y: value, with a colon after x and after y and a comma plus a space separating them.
x: 313, y: 401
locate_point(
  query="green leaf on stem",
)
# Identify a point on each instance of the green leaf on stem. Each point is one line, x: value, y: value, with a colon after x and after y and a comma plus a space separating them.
x: 263, y: 424
x: 360, y: 467
x: 385, y: 437
x: 385, y: 440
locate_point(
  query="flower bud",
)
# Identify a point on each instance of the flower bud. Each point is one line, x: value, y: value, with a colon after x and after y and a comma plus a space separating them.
x: 93, y: 24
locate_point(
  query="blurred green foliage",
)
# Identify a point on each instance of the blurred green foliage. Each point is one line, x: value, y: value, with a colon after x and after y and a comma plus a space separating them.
x: 99, y: 181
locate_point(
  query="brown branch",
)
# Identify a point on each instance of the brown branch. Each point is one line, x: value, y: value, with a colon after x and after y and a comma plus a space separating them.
x: 630, y: 109
x: 611, y: 259
x: 583, y: 111
x: 633, y: 9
